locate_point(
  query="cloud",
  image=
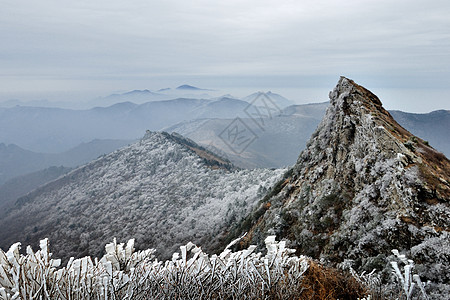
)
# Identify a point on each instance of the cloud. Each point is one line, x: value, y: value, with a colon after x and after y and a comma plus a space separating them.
x: 111, y: 39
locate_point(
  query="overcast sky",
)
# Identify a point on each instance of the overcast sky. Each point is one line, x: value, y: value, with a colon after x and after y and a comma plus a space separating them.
x: 95, y: 47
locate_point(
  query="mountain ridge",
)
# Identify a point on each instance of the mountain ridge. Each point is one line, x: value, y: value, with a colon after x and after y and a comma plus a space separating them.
x: 163, y: 190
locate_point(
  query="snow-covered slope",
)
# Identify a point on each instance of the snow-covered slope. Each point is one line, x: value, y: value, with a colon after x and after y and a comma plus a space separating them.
x: 163, y: 190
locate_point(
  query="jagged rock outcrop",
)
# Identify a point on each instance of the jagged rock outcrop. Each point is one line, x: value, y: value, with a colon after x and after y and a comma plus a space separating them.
x: 362, y: 187
x: 164, y: 191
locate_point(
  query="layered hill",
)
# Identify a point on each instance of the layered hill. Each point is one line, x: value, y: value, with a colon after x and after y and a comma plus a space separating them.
x: 362, y: 187
x: 164, y: 191
x: 277, y: 144
x: 276, y: 99
x: 284, y: 134
x: 51, y: 130
x: 433, y: 127
x: 16, y: 161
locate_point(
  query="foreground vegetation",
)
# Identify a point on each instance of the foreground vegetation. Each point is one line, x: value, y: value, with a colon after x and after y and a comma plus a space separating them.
x: 123, y: 273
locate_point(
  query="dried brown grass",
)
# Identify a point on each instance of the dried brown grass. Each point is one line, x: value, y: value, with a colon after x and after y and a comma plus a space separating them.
x: 320, y: 282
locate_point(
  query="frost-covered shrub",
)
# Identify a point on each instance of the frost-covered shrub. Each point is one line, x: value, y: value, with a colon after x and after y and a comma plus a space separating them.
x: 408, y: 281
x: 370, y: 280
x: 123, y: 273
x: 404, y: 283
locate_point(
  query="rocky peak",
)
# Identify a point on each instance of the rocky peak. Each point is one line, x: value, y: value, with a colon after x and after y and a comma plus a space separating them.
x: 356, y: 135
x: 362, y: 187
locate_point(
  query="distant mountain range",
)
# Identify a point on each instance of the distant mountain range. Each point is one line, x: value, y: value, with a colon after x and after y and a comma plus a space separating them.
x: 276, y: 144
x: 279, y: 101
x: 55, y: 130
x: 15, y: 161
x: 135, y: 96
x: 433, y: 127
x: 190, y: 88
x: 143, y: 96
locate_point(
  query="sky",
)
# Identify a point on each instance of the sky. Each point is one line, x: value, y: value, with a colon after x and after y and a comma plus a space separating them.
x: 58, y: 49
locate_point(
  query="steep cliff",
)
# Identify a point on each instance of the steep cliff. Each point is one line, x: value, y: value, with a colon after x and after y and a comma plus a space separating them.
x: 362, y: 187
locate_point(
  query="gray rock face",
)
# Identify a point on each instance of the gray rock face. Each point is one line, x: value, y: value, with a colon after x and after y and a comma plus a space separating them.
x: 362, y: 187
